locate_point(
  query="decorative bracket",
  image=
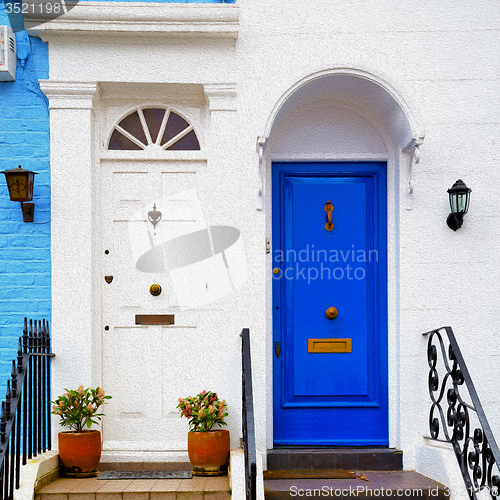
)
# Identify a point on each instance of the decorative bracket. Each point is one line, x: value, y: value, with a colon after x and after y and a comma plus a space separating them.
x: 221, y: 97
x: 70, y: 95
x: 28, y: 210
x: 413, y: 149
x: 261, y: 146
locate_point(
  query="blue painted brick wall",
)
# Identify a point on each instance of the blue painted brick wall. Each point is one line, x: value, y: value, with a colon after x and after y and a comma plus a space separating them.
x: 24, y: 247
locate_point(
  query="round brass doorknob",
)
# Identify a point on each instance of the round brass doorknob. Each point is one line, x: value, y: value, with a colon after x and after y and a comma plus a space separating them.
x: 331, y: 313
x: 155, y: 290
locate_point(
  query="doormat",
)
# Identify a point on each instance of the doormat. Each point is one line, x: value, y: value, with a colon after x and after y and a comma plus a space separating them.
x: 145, y: 474
x: 309, y: 474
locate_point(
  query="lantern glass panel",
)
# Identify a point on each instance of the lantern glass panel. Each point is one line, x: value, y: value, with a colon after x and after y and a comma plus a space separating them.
x: 453, y: 202
x: 467, y: 201
x: 20, y: 186
x: 462, y: 202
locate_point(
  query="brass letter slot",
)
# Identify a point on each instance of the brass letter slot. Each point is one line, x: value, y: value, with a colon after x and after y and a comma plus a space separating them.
x: 329, y: 345
x: 154, y: 319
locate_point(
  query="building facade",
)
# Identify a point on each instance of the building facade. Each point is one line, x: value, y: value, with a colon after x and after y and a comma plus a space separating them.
x: 24, y: 248
x: 264, y: 163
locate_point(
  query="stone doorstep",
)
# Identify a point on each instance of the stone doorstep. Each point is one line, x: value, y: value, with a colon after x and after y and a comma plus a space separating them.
x: 335, y: 458
x: 377, y: 484
x: 197, y: 488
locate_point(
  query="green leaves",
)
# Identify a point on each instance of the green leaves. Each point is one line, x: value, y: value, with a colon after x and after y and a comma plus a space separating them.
x: 78, y: 409
x: 203, y: 411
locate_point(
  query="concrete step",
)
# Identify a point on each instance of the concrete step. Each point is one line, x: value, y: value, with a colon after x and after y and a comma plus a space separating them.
x: 407, y: 485
x: 335, y: 458
x: 197, y: 488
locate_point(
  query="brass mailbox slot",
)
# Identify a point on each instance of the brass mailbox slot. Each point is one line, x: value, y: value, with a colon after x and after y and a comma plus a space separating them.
x: 329, y: 345
x: 154, y: 319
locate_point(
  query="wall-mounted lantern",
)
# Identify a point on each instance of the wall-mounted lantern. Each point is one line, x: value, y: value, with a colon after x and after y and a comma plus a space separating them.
x: 459, y: 203
x: 20, y: 183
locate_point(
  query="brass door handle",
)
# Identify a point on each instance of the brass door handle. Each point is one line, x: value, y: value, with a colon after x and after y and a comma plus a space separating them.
x: 331, y: 313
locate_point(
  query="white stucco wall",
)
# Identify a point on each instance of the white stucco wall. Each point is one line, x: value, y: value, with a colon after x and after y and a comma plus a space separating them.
x: 442, y: 60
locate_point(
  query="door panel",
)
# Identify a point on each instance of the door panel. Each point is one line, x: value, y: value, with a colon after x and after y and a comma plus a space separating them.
x: 141, y: 363
x: 330, y: 398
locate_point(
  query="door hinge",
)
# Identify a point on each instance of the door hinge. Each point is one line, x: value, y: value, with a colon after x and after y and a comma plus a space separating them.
x: 277, y: 348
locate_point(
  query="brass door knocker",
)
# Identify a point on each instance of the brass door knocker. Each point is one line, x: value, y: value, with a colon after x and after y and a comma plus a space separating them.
x: 329, y: 210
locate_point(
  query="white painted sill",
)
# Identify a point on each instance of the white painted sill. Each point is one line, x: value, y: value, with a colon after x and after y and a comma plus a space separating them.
x: 111, y: 155
x: 438, y: 443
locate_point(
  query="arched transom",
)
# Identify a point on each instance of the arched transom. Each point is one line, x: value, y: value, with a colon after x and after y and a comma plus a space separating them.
x: 148, y: 128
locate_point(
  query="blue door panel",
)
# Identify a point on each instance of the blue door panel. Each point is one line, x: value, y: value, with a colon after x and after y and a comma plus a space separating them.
x: 330, y: 398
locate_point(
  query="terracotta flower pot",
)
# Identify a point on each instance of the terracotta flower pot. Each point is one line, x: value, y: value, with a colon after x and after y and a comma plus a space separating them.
x: 209, y: 452
x: 79, y: 453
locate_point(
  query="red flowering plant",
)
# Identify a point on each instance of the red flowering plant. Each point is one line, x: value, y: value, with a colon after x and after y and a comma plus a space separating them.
x: 203, y: 411
x: 78, y: 409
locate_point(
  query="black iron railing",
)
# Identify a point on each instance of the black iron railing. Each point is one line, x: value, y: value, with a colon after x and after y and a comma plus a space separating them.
x: 25, y: 428
x: 248, y: 419
x: 458, y: 418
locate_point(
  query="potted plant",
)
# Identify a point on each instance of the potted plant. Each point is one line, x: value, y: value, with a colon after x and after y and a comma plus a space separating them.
x: 80, y: 447
x: 208, y: 449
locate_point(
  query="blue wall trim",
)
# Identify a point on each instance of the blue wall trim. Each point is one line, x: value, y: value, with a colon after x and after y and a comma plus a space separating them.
x: 25, y: 263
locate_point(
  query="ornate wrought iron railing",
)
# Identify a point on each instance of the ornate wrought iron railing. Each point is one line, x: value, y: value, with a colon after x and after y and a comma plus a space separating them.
x: 248, y: 419
x: 458, y: 418
x: 25, y: 427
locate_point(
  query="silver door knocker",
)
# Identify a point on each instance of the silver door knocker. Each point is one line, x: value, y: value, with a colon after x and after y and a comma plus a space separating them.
x: 154, y: 216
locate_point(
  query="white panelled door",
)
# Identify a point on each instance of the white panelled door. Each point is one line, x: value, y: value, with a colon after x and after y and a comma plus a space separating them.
x: 141, y: 364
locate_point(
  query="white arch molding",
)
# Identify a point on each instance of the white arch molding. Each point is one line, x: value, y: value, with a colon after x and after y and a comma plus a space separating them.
x: 380, y: 97
x: 345, y: 114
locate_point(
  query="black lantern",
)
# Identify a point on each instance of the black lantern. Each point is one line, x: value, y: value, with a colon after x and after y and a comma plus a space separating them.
x: 459, y: 203
x: 20, y: 184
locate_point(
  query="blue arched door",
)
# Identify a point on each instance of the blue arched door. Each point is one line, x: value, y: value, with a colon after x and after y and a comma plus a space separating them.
x: 330, y: 374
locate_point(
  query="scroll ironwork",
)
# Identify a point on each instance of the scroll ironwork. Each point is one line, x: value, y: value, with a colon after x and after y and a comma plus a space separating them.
x: 457, y: 417
x: 25, y: 424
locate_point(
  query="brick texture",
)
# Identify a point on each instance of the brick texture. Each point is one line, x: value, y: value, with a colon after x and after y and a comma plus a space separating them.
x: 24, y: 247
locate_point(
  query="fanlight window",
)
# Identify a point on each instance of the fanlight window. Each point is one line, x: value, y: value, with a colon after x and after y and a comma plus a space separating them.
x: 154, y: 127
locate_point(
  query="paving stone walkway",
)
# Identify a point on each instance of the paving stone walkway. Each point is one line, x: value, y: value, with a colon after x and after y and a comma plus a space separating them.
x: 197, y: 488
